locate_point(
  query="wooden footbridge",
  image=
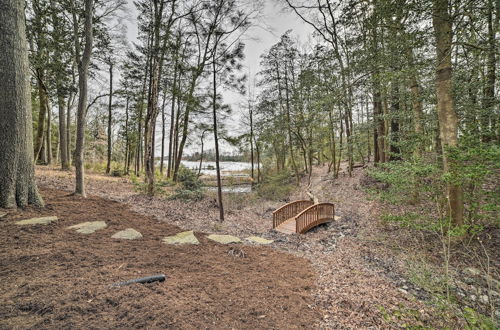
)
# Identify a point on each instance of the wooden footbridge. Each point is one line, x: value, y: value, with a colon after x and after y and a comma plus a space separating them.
x: 301, y: 216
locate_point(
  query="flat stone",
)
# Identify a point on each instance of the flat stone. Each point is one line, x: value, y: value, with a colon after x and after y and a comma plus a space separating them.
x: 224, y: 239
x: 259, y: 240
x: 37, y: 221
x: 128, y: 233
x: 88, y: 227
x: 186, y: 237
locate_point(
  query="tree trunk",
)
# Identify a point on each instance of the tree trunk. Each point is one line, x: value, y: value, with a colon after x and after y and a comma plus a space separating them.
x: 42, y: 96
x: 250, y: 110
x: 416, y: 100
x: 127, y: 142
x: 446, y: 113
x: 17, y: 171
x: 395, y: 151
x: 216, y: 139
x: 110, y: 114
x: 201, y: 153
x: 83, y: 67
x: 489, y: 118
x: 49, y: 135
x: 152, y: 112
x: 163, y: 133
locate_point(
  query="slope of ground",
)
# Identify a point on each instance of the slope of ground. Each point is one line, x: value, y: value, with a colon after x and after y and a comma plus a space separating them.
x: 53, y: 277
x: 352, y: 291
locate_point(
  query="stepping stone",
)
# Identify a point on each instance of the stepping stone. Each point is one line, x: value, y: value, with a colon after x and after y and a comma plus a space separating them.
x: 89, y: 227
x: 186, y: 237
x: 37, y: 221
x: 128, y: 233
x: 224, y: 239
x: 259, y: 240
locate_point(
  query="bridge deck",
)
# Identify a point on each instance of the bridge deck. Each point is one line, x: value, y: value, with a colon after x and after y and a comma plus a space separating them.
x: 287, y: 227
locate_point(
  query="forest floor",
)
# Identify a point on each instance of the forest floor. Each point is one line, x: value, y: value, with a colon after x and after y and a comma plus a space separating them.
x: 351, y: 273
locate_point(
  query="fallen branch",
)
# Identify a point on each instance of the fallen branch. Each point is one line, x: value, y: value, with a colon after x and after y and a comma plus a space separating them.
x: 147, y: 279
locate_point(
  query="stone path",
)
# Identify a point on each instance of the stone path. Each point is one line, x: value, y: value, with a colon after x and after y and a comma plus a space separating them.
x: 224, y: 239
x: 37, y: 221
x: 88, y: 227
x: 185, y: 237
x: 129, y: 233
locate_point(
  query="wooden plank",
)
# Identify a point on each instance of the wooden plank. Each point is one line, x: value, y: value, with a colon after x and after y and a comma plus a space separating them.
x: 287, y: 227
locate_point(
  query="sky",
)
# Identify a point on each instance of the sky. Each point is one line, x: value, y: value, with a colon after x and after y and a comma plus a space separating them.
x: 265, y: 32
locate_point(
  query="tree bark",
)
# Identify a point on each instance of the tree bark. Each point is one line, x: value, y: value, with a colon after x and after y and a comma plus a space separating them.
x: 49, y: 135
x: 446, y: 113
x: 488, y: 120
x: 110, y: 116
x: 83, y: 67
x: 42, y: 111
x: 17, y: 171
x: 216, y: 139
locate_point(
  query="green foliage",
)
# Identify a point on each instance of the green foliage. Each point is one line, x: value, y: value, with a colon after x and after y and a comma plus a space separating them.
x: 476, y: 320
x: 403, y: 317
x: 406, y: 181
x: 276, y: 186
x: 189, y: 185
x: 475, y: 167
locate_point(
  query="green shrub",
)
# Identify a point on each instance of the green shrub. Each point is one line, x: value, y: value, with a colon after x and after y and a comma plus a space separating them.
x: 189, y: 185
x: 276, y: 186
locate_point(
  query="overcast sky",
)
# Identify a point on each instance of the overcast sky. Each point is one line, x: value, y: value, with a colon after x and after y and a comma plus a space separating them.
x: 266, y: 32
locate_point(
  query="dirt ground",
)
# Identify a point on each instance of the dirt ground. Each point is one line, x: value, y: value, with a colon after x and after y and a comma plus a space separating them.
x: 355, y: 266
x: 53, y: 277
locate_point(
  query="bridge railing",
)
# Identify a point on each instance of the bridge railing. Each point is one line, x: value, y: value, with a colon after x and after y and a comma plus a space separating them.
x: 313, y: 216
x: 289, y: 210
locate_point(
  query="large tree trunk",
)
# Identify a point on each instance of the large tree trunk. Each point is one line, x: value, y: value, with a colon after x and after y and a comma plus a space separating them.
x: 110, y: 116
x: 17, y: 172
x: 83, y: 67
x: 446, y: 113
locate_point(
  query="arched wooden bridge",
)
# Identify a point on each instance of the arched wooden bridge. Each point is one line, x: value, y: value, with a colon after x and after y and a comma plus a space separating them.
x: 301, y: 216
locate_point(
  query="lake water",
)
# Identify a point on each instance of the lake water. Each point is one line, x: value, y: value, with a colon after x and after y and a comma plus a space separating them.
x: 225, y: 167
x: 228, y: 169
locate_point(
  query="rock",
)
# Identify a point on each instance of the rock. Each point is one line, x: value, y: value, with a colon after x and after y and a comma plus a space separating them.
x: 37, y: 221
x: 337, y: 218
x: 224, y: 239
x: 484, y: 299
x: 403, y: 291
x: 88, y: 227
x: 259, y: 240
x: 472, y: 271
x: 473, y: 297
x: 128, y: 233
x: 186, y: 237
